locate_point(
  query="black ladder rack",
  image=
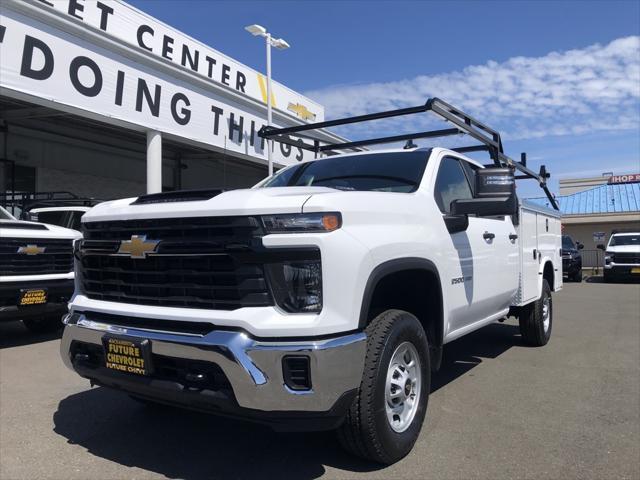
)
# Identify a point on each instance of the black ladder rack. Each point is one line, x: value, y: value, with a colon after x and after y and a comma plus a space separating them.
x: 463, y: 124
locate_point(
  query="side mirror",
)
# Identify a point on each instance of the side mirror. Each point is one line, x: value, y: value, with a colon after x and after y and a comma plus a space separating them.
x: 600, y: 246
x: 495, y: 194
x: 580, y: 246
x: 484, y: 207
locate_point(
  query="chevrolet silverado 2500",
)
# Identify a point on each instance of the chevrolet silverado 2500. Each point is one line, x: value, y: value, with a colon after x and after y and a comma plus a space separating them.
x: 319, y: 299
x: 622, y: 256
x: 36, y: 272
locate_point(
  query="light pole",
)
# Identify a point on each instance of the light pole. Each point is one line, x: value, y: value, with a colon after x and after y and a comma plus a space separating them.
x: 280, y: 44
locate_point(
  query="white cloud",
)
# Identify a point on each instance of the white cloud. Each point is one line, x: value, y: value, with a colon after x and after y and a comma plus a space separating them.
x: 596, y: 88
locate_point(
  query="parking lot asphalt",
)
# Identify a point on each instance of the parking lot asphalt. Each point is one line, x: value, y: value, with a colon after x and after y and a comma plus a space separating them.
x: 498, y: 409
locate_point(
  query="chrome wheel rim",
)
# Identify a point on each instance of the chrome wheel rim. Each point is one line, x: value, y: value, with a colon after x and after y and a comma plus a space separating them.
x: 546, y: 313
x: 403, y: 387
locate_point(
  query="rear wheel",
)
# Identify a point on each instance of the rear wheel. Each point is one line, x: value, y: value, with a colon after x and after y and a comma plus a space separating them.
x: 577, y: 276
x: 536, y: 319
x: 385, y: 420
x: 45, y: 324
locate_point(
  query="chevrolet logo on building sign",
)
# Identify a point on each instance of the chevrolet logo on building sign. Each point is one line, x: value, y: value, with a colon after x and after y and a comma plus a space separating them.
x: 301, y: 111
x: 31, y: 250
x: 138, y: 246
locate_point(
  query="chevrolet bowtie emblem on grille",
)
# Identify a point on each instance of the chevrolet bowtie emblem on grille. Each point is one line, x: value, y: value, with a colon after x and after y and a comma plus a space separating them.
x: 31, y: 250
x: 302, y: 111
x: 138, y: 246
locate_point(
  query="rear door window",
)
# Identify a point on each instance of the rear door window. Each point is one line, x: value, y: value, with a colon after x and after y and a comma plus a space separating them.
x: 53, y: 218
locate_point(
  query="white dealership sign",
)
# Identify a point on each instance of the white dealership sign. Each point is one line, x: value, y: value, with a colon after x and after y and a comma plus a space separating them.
x: 44, y: 61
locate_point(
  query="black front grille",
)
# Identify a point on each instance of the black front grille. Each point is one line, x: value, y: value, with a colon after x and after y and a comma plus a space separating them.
x: 210, y: 263
x: 626, y: 257
x: 57, y: 256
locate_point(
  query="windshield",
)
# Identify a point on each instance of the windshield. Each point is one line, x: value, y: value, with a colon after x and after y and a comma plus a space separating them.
x: 618, y: 240
x: 381, y: 172
x: 567, y: 243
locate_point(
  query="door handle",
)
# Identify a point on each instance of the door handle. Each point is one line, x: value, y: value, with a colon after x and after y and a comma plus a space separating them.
x: 513, y: 237
x: 488, y: 235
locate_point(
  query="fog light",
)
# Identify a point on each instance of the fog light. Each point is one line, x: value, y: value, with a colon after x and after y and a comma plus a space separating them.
x: 296, y: 372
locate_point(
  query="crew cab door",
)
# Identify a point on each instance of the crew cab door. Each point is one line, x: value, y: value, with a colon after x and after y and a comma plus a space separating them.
x: 482, y: 260
x: 501, y: 241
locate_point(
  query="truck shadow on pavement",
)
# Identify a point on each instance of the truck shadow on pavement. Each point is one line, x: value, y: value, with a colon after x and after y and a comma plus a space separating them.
x: 190, y: 445
x: 465, y: 353
x: 15, y: 334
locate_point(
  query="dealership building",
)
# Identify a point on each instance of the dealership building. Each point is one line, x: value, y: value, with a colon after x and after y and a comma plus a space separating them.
x: 102, y: 100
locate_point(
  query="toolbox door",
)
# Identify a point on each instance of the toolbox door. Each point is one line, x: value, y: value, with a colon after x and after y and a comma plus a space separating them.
x: 530, y: 255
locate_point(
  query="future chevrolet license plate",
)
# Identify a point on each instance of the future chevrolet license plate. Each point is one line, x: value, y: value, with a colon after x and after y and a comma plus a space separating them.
x: 35, y: 296
x: 127, y: 355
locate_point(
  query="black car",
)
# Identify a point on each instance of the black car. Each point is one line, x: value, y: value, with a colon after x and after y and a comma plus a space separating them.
x: 571, y: 259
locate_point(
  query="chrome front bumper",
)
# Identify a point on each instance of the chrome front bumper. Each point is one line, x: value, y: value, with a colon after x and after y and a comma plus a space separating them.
x: 253, y: 367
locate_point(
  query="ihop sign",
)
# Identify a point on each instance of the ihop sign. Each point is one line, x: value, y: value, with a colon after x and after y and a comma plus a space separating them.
x: 630, y: 178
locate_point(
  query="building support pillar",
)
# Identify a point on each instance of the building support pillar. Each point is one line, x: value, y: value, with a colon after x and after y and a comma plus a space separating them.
x: 154, y: 161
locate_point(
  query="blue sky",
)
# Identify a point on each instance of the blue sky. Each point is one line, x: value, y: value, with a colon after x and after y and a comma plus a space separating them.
x: 560, y: 79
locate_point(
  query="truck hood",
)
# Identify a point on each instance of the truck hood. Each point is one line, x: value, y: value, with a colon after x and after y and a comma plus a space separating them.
x: 624, y: 248
x: 12, y: 229
x: 253, y: 201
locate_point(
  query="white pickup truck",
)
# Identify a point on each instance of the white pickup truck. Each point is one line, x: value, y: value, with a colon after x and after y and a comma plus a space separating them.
x: 36, y: 272
x: 319, y: 299
x: 622, y: 256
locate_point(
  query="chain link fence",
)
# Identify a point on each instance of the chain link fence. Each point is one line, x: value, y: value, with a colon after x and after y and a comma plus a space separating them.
x: 593, y: 259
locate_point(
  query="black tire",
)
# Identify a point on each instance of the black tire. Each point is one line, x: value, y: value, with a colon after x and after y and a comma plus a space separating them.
x: 607, y: 277
x: 47, y: 324
x: 366, y: 431
x: 531, y: 319
x: 577, y: 277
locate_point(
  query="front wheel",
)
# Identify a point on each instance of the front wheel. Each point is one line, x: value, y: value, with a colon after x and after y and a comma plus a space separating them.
x: 385, y: 419
x: 536, y: 319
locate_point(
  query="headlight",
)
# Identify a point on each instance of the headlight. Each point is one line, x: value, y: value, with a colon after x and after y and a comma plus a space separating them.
x: 608, y: 257
x: 297, y: 285
x: 302, y: 222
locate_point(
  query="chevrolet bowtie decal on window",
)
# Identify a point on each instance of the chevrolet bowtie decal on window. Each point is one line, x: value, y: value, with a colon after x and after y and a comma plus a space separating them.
x: 138, y: 246
x: 31, y: 250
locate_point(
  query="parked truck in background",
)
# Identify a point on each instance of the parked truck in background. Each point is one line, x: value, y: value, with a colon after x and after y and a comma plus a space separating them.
x: 572, y: 259
x: 319, y: 299
x: 622, y: 256
x: 36, y: 272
